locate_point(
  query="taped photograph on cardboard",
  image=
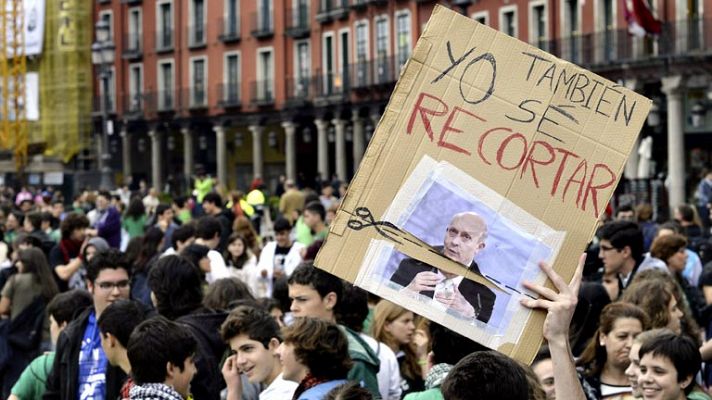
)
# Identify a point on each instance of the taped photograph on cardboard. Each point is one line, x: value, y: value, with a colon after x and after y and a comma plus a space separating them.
x: 473, y: 225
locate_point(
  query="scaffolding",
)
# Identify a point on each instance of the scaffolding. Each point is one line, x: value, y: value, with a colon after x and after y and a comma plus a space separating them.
x: 13, y: 69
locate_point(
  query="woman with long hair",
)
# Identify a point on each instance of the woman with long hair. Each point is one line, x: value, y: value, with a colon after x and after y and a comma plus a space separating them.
x: 662, y: 300
x: 134, y: 219
x: 25, y: 296
x: 242, y: 264
x: 243, y: 226
x: 147, y: 257
x: 606, y: 357
x: 395, y: 326
x: 33, y: 279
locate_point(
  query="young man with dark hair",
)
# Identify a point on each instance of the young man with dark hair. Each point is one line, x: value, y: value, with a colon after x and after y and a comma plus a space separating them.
x: 162, y: 355
x: 668, y: 366
x: 314, y: 218
x: 207, y: 233
x: 164, y: 221
x: 314, y: 354
x: 182, y: 237
x: 316, y: 293
x: 625, y: 212
x: 61, y: 310
x: 486, y: 375
x: 33, y: 226
x: 108, y: 221
x: 116, y: 324
x: 543, y: 367
x: 180, y: 210
x: 176, y: 291
x: 81, y: 370
x: 65, y: 257
x: 280, y: 257
x: 621, y: 250
x: 213, y: 205
x: 50, y: 226
x: 254, y: 337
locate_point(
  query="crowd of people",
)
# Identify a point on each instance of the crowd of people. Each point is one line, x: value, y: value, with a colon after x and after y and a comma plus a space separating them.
x: 132, y: 295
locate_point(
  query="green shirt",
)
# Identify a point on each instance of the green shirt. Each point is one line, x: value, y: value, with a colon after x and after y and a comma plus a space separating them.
x: 430, y: 394
x: 10, y: 236
x: 134, y: 226
x: 184, y: 216
x: 302, y: 232
x: 321, y: 235
x: 31, y: 384
x: 203, y: 187
x: 697, y: 395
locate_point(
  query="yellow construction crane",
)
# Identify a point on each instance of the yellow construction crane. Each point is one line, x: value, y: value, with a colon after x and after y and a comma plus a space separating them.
x: 13, y: 69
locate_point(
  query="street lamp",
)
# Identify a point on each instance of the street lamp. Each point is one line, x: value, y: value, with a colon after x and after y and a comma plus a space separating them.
x: 102, y: 56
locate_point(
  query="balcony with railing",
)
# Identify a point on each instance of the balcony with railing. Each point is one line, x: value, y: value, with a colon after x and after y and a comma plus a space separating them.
x: 330, y: 10
x: 299, y: 91
x: 361, y: 75
x: 110, y: 104
x: 164, y: 40
x: 132, y: 46
x: 229, y: 29
x: 262, y: 25
x: 297, y: 22
x: 262, y: 93
x: 331, y: 88
x: 610, y: 48
x: 365, y: 74
x: 197, y: 38
x: 160, y: 102
x: 229, y: 95
x: 134, y: 105
x: 194, y: 98
x: 359, y: 5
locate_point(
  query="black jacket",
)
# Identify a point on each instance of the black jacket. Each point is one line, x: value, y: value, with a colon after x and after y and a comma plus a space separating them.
x: 477, y: 294
x: 226, y: 218
x: 205, y: 326
x: 63, y: 381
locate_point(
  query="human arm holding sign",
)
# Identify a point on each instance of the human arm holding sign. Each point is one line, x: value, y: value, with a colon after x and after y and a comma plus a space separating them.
x: 560, y: 308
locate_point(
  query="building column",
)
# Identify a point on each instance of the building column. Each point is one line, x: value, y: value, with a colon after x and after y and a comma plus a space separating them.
x: 322, y: 149
x: 188, y: 161
x: 672, y: 86
x: 358, y: 141
x: 156, y: 161
x: 125, y: 152
x: 631, y: 167
x: 257, y: 163
x: 340, y: 127
x: 221, y: 147
x: 291, y: 150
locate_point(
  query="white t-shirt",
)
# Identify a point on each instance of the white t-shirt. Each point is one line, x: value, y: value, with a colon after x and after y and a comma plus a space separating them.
x: 389, y: 377
x: 218, y: 270
x: 279, y: 389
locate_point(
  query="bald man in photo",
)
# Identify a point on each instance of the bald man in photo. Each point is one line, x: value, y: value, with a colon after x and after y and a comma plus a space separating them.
x: 464, y: 238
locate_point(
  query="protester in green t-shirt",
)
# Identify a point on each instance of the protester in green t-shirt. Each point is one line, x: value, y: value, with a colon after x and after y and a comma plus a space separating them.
x: 31, y: 384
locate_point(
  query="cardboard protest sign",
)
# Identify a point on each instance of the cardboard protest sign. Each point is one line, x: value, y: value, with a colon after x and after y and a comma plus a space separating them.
x: 491, y: 156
